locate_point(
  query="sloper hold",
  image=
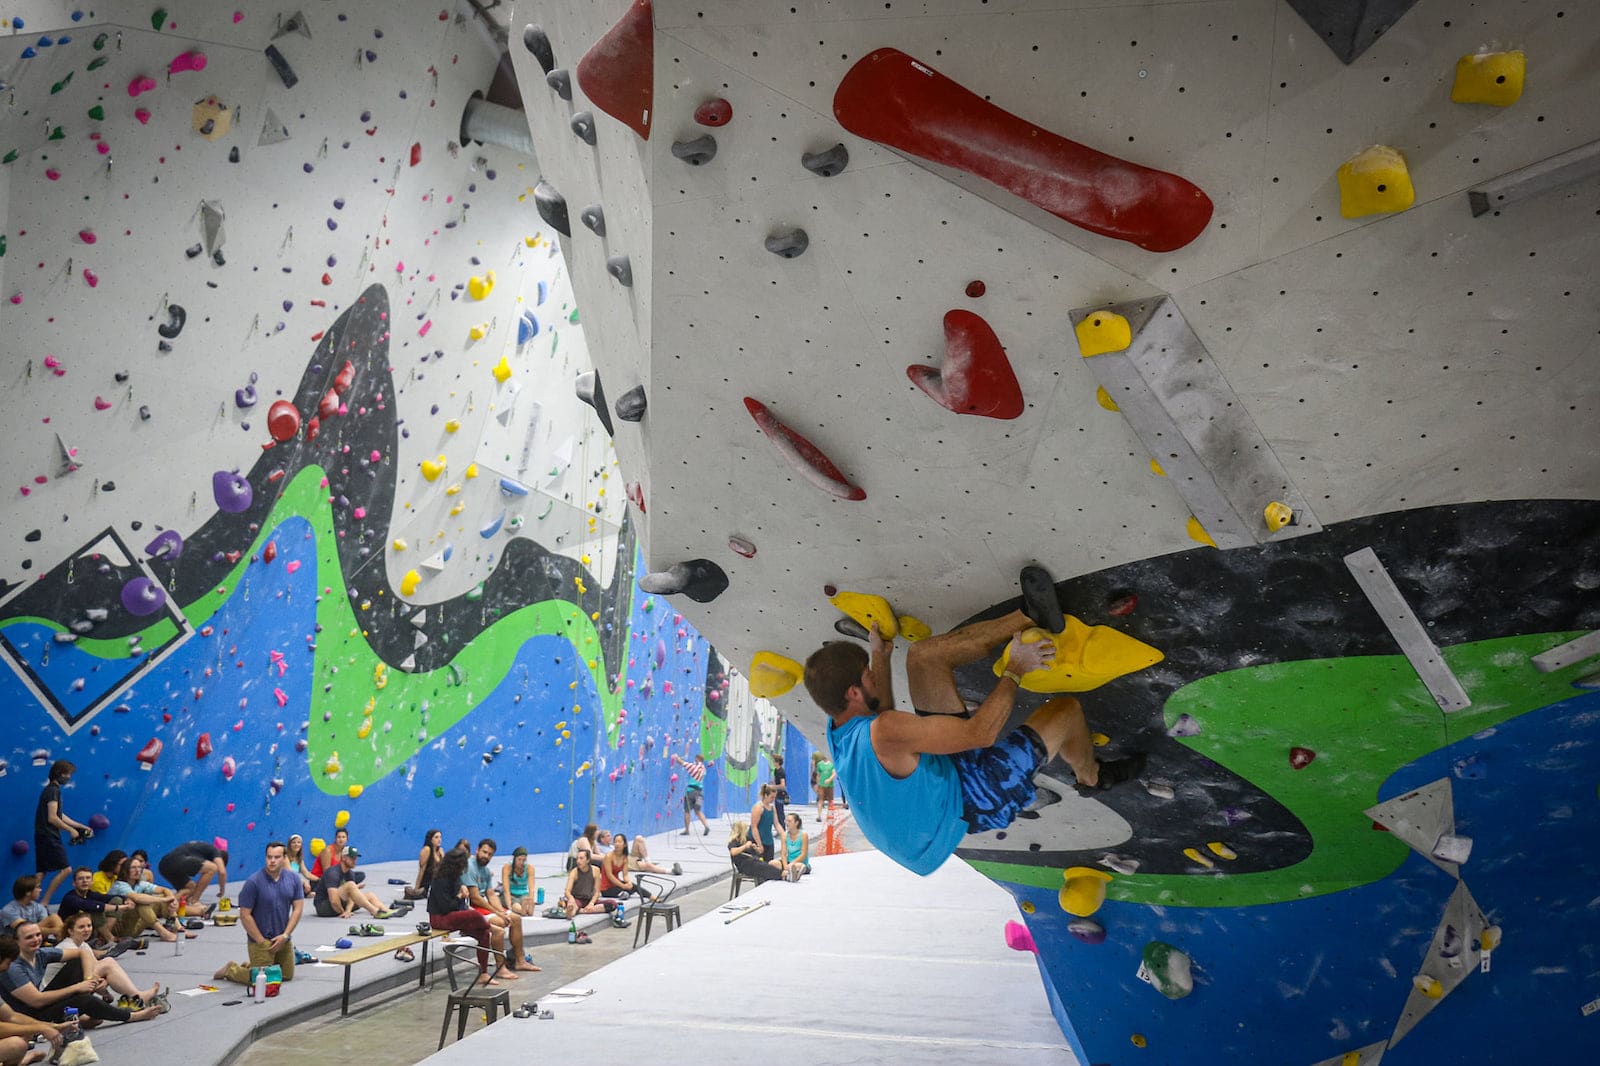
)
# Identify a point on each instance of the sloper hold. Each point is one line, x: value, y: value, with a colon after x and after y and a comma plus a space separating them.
x: 1086, y: 658
x: 594, y: 217
x: 828, y: 162
x: 975, y: 377
x: 1374, y: 181
x: 893, y: 99
x: 591, y: 392
x: 790, y: 244
x: 537, y: 42
x: 865, y: 609
x: 1349, y: 27
x: 618, y: 73
x: 621, y: 268
x: 699, y: 579
x: 560, y: 80
x: 1493, y: 78
x: 806, y: 458
x: 698, y: 152
x: 771, y: 675
x: 583, y: 127
x: 552, y: 207
x: 631, y: 405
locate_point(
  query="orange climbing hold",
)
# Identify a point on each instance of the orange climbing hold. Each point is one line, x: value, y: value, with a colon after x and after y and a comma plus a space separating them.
x: 975, y: 377
x: 618, y: 73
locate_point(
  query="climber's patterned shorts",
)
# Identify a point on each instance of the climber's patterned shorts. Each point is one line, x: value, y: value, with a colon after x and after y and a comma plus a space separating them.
x: 997, y: 782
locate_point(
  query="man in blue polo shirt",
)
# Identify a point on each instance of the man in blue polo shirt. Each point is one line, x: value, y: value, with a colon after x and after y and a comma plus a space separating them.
x: 270, y: 904
x: 481, y: 897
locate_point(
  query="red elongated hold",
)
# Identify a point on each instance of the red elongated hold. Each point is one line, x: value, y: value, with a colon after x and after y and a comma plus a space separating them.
x: 893, y: 99
x: 618, y: 73
x: 317, y: 336
x: 975, y: 377
x: 800, y: 453
x: 344, y: 378
x: 313, y: 427
x: 636, y: 494
x: 270, y: 552
x: 714, y: 112
x: 202, y: 746
x: 329, y: 404
x: 1122, y: 605
x: 1300, y: 758
x: 149, y: 754
x: 416, y: 152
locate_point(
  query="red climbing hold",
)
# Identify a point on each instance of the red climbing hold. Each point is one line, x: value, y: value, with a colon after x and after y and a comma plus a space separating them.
x: 893, y: 99
x: 416, y: 152
x: 345, y: 378
x: 618, y: 73
x: 270, y: 552
x: 801, y: 454
x: 636, y: 494
x: 976, y: 289
x: 714, y: 112
x: 202, y: 746
x: 329, y: 405
x: 1122, y: 605
x: 1300, y: 758
x: 974, y: 378
x: 283, y: 421
x: 149, y: 754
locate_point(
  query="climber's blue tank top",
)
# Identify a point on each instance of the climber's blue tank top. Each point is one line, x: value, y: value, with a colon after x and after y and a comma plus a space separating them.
x: 916, y: 821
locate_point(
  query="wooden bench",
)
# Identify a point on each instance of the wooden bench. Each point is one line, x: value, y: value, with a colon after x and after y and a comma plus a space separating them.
x: 372, y: 950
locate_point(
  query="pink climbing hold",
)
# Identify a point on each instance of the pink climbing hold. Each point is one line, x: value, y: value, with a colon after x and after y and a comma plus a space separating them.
x: 187, y: 61
x: 53, y: 174
x: 282, y: 698
x: 618, y: 73
x: 102, y: 404
x: 142, y: 84
x: 801, y: 454
x: 229, y: 768
x: 87, y: 236
x: 90, y: 278
x: 292, y: 565
x: 143, y: 115
x: 975, y: 377
x: 714, y: 112
x: 1019, y: 939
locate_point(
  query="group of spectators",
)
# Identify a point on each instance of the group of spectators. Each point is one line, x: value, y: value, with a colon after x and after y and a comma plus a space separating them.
x: 758, y: 849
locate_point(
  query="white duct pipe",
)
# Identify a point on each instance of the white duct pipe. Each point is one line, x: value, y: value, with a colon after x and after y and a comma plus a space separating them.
x: 489, y: 123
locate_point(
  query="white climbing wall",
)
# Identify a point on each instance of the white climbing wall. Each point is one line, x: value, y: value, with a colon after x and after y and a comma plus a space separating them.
x: 311, y: 220
x: 1391, y: 361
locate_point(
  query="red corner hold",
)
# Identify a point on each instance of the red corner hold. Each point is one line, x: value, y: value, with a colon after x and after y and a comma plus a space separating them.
x: 975, y: 377
x: 801, y: 454
x: 416, y: 152
x: 618, y: 73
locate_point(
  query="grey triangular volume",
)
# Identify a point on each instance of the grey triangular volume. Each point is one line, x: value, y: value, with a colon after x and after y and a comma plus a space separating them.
x: 1419, y: 818
x: 1348, y: 27
x: 1370, y: 1055
x: 107, y: 548
x: 419, y: 619
x: 273, y: 131
x: 295, y: 23
x: 409, y: 663
x: 1451, y: 958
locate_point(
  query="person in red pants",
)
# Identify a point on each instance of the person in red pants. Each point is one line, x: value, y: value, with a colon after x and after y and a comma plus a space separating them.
x: 448, y: 910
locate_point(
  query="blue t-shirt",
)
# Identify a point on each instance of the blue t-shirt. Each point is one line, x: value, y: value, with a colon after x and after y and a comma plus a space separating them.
x: 478, y: 876
x: 18, y: 911
x: 19, y: 973
x: 271, y: 902
x: 916, y: 821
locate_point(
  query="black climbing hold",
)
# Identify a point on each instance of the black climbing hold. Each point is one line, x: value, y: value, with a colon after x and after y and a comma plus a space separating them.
x: 591, y: 392
x: 121, y: 376
x: 631, y: 405
x: 163, y: 346
x: 790, y: 245
x: 176, y: 317
x: 561, y: 82
x: 552, y: 207
x: 286, y: 73
x: 697, y: 152
x: 108, y: 486
x: 193, y: 250
x: 144, y: 412
x: 583, y: 125
x: 1039, y: 599
x: 218, y: 258
x: 619, y: 267
x: 537, y: 42
x: 233, y: 154
x: 594, y: 216
x: 851, y: 628
x: 33, y: 537
x: 826, y: 163
x: 699, y: 579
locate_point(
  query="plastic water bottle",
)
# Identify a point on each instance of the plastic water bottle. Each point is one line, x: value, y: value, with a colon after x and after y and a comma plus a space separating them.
x: 69, y: 1018
x: 621, y: 906
x: 538, y: 897
x: 572, y: 932
x: 261, y: 985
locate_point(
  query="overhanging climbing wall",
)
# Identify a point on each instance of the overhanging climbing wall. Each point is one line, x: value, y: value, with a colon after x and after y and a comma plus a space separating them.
x: 1373, y: 365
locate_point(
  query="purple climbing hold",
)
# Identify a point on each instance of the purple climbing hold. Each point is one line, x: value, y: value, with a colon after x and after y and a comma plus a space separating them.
x: 232, y: 492
x: 19, y: 848
x: 141, y: 596
x: 168, y: 544
x: 99, y: 823
x: 245, y: 397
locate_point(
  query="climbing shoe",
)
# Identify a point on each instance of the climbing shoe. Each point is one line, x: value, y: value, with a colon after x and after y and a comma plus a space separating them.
x: 1039, y: 599
x: 1114, y: 773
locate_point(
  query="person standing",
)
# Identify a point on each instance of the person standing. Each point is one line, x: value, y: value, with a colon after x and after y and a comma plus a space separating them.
x: 270, y: 905
x: 780, y: 790
x: 761, y: 822
x: 694, y: 792
x: 822, y: 768
x: 49, y: 822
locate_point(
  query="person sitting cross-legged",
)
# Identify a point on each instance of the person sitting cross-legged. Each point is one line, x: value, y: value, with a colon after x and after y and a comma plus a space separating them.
x: 479, y: 881
x: 339, y: 895
x: 18, y: 1032
x: 582, y: 895
x: 639, y: 859
x: 270, y: 905
x: 122, y: 915
x: 24, y: 960
x: 25, y: 907
x: 615, y: 880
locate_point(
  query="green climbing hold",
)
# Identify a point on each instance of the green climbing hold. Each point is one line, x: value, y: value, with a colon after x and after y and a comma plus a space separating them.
x: 11, y: 156
x: 97, y: 62
x: 58, y: 134
x: 573, y: 318
x: 438, y: 792
x: 475, y: 593
x: 158, y: 18
x: 2, y: 244
x: 62, y: 84
x: 97, y: 113
x: 1167, y: 969
x: 100, y: 42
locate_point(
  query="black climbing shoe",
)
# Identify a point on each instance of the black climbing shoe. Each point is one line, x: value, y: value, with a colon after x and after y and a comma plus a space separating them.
x: 1114, y: 773
x: 1039, y: 600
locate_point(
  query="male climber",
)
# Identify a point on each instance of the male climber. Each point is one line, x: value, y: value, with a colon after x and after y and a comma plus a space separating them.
x: 921, y: 782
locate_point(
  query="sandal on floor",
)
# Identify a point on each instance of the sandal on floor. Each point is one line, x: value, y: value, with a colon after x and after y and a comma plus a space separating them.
x: 405, y: 955
x: 581, y: 938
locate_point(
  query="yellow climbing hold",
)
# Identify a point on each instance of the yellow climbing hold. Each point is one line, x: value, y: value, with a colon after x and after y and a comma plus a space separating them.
x: 458, y: 508
x: 1197, y: 532
x: 1489, y: 939
x: 1350, y: 1058
x: 409, y: 583
x: 771, y: 674
x: 453, y: 489
x: 1193, y: 855
x: 1083, y: 890
x: 1086, y: 658
x: 478, y: 332
x: 584, y: 559
x: 1277, y: 515
x: 866, y: 609
x: 1103, y: 398
x: 341, y: 819
x: 1493, y: 78
x: 452, y: 425
x: 380, y: 675
x: 372, y: 705
x: 318, y: 845
x: 1428, y: 986
x: 480, y: 288
x: 531, y: 242
x: 1155, y: 468
x: 472, y: 471
x: 502, y: 370
x: 432, y: 468
x: 578, y: 581
x: 331, y: 767
x: 399, y: 544
x: 1100, y: 739
x: 366, y: 729
x: 1222, y: 851
x: 1138, y: 1040
x: 1101, y: 332
x: 1027, y: 906
x: 1374, y: 181
x: 354, y: 791
x: 913, y: 628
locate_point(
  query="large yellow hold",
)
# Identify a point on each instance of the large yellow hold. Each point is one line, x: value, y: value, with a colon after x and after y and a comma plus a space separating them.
x: 771, y: 675
x: 479, y: 288
x: 1083, y: 890
x: 1375, y: 181
x: 866, y: 609
x: 409, y: 583
x: 1101, y: 332
x: 1086, y: 658
x: 1493, y: 78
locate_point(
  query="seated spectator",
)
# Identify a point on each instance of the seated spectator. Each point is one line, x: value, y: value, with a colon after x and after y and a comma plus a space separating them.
x: 746, y: 855
x: 479, y: 881
x: 154, y: 911
x: 585, y: 842
x: 514, y: 879
x: 122, y: 915
x: 448, y: 910
x: 106, y: 873
x: 428, y: 860
x: 189, y: 868
x: 330, y: 856
x: 339, y: 893
x: 17, y: 1033
x: 24, y: 960
x: 582, y: 895
x: 639, y: 859
x: 294, y: 860
x: 615, y: 882
x: 25, y: 907
x: 796, y: 849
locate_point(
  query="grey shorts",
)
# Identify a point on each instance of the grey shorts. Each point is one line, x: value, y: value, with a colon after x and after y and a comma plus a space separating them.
x: 693, y: 800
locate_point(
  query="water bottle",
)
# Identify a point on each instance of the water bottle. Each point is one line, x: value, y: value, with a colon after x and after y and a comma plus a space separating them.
x: 177, y: 945
x: 538, y: 897
x: 621, y: 906
x: 572, y: 932
x: 260, y: 990
x: 69, y: 1018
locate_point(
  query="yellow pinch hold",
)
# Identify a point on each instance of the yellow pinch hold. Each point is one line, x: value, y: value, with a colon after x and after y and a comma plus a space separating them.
x: 1493, y: 78
x: 458, y: 508
x: 1100, y: 740
x: 472, y: 471
x: 432, y: 468
x: 478, y: 332
x: 479, y: 288
x: 1350, y: 1058
x: 380, y: 676
x: 1194, y: 856
x: 366, y: 729
x: 1277, y: 515
x: 1221, y: 850
x: 866, y: 609
x: 1103, y: 398
x: 1197, y: 532
x: 398, y: 544
x: 354, y: 791
x: 453, y: 489
x: 913, y: 628
x: 1155, y: 468
x: 1374, y: 181
x: 1101, y: 332
x: 502, y: 370
x: 1083, y: 890
x: 452, y: 425
x: 1086, y: 658
x: 771, y: 674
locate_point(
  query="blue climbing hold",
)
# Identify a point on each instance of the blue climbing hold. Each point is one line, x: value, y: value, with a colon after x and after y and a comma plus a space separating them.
x: 492, y: 528
x: 527, y: 327
x: 512, y: 488
x: 544, y: 290
x: 45, y: 42
x: 29, y: 53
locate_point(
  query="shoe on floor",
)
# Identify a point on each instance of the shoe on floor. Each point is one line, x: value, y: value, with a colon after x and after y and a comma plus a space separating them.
x: 677, y: 869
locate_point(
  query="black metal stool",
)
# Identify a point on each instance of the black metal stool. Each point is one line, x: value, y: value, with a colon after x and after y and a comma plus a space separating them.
x: 668, y: 912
